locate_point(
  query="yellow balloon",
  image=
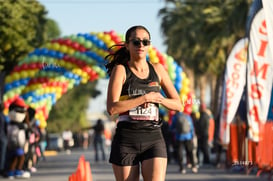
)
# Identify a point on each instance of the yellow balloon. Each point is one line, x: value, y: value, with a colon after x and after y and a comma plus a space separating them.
x: 59, y: 90
x: 61, y: 63
x: 32, y: 73
x: 100, y: 35
x: 15, y: 76
x: 100, y: 52
x: 183, y: 75
x: 47, y: 90
x: 155, y: 60
x: 106, y: 38
x: 48, y: 45
x: 39, y: 114
x: 69, y: 65
x: 111, y: 43
x: 186, y: 82
x: 77, y: 71
x: 70, y: 51
x: 84, y: 80
x: 58, y: 95
x: 63, y: 48
x: 85, y: 75
x: 8, y: 79
x: 56, y: 46
x: 153, y: 53
x: 43, y: 124
x: 185, y: 90
x: 6, y: 111
x: 24, y: 74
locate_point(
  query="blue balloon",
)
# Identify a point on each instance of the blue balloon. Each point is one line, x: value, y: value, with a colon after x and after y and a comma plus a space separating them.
x: 178, y: 87
x: 24, y: 81
x: 52, y: 53
x: 37, y: 51
x: 44, y: 51
x: 8, y: 87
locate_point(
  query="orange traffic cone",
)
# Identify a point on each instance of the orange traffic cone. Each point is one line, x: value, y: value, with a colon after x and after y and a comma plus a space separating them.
x: 88, y: 173
x: 73, y: 177
x: 81, y: 169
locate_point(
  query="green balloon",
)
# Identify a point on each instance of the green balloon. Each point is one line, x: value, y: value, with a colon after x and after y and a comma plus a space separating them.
x: 88, y: 44
x: 81, y: 40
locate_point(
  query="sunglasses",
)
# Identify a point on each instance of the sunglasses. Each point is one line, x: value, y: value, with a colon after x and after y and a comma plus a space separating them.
x: 20, y: 109
x: 137, y: 42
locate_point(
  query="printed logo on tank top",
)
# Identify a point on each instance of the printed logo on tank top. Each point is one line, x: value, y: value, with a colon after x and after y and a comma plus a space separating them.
x: 153, y: 84
x: 135, y: 87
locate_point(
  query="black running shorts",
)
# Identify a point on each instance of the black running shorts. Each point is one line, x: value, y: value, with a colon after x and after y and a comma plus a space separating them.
x: 130, y: 154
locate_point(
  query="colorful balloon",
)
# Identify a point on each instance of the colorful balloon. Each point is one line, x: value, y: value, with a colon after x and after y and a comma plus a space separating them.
x: 42, y: 77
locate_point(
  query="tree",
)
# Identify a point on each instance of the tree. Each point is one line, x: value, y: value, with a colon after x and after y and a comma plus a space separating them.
x: 70, y: 111
x: 200, y: 34
x: 24, y: 27
x: 52, y: 29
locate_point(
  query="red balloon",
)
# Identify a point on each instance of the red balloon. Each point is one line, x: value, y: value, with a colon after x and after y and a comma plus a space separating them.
x: 75, y: 45
x: 66, y: 58
x: 16, y: 68
x: 87, y: 69
x: 24, y: 66
x: 82, y: 49
x: 171, y: 114
x: 39, y: 65
x: 68, y: 42
x: 32, y: 65
x: 188, y: 109
x: 93, y: 76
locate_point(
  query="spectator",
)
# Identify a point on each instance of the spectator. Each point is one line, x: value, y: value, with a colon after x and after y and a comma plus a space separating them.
x: 183, y: 127
x: 85, y: 137
x: 195, y: 141
x: 202, y: 130
x: 3, y: 140
x: 34, y: 137
x: 99, y: 139
x: 17, y: 139
x: 43, y: 142
x: 67, y: 137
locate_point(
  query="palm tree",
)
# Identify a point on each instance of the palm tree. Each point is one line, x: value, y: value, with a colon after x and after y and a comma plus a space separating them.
x: 200, y: 34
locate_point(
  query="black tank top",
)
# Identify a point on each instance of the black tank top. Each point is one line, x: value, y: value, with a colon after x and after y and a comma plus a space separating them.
x: 139, y: 130
x: 134, y: 86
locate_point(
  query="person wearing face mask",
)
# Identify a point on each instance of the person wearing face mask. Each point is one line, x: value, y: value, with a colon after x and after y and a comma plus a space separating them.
x: 16, y: 134
x: 134, y: 94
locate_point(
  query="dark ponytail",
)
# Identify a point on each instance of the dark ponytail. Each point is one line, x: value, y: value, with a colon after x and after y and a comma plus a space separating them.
x: 121, y: 56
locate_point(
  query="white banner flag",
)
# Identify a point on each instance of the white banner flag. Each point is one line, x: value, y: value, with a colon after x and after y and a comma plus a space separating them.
x: 268, y: 11
x: 233, y: 87
x: 259, y: 75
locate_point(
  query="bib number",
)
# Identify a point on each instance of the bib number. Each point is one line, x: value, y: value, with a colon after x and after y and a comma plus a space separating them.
x: 141, y: 113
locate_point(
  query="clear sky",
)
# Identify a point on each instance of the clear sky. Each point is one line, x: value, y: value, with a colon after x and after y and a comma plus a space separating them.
x: 85, y: 16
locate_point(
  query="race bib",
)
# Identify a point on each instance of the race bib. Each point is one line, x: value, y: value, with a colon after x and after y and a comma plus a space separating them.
x: 141, y: 113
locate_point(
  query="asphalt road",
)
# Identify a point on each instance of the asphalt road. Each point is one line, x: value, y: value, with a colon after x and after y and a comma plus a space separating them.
x: 58, y: 167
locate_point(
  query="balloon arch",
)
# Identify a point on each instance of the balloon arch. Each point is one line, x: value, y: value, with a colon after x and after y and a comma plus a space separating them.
x: 42, y: 77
